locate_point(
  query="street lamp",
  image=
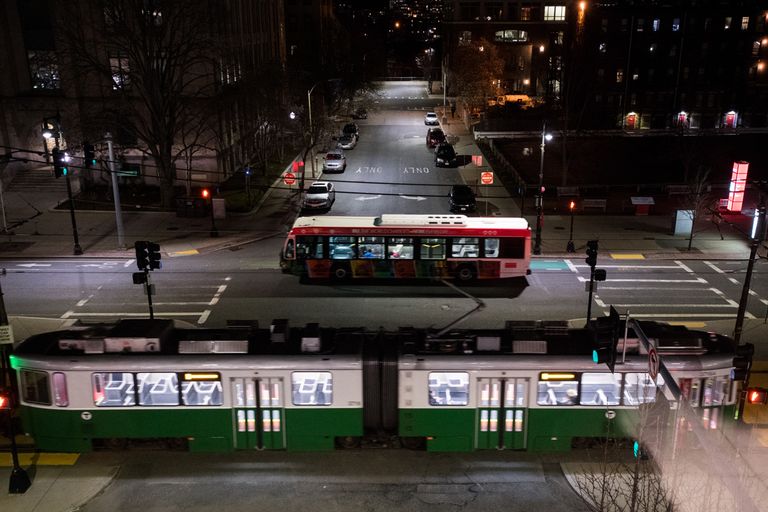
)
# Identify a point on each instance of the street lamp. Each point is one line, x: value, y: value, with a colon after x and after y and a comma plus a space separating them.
x: 540, y: 194
x: 570, y: 247
x: 207, y: 195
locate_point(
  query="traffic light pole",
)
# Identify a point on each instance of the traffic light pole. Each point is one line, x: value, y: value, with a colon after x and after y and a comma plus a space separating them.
x: 77, y: 250
x: 591, y: 288
x: 148, y: 289
x: 115, y: 193
x: 756, y: 241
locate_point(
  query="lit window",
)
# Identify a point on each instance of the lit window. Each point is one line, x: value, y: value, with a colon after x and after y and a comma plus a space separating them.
x: 652, y: 48
x: 491, y: 247
x: 312, y: 388
x: 400, y: 248
x: 432, y: 248
x: 465, y: 38
x: 34, y: 387
x: 342, y: 247
x: 465, y: 248
x: 60, y: 394
x: 201, y: 389
x: 113, y: 389
x: 675, y: 24
x: 603, y: 47
x: 371, y: 247
x: 727, y: 23
x: 554, y: 13
x: 756, y: 48
x: 158, y: 388
x: 745, y: 23
x: 619, y: 76
x: 600, y: 389
x: 119, y: 68
x: 656, y: 25
x: 640, y: 25
x: 44, y: 69
x: 525, y: 13
x: 448, y: 388
x: 639, y: 388
x: 558, y: 392
x: 511, y: 36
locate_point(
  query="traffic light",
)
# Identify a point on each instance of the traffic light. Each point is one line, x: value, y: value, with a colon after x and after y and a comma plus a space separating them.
x: 757, y: 396
x: 205, y: 193
x: 591, y: 253
x: 606, y: 339
x: 89, y: 155
x: 60, y: 159
x: 142, y: 255
x: 154, y: 256
x: 742, y: 361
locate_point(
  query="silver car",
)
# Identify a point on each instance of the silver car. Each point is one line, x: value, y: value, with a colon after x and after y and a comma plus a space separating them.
x: 431, y: 119
x: 347, y: 142
x: 319, y: 195
x: 334, y: 161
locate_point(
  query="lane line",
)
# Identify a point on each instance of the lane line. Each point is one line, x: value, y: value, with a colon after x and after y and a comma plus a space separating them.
x: 729, y: 304
x: 697, y: 280
x: 571, y: 266
x: 160, y: 313
x: 129, y: 263
x: 204, y: 317
x: 733, y: 280
x: 643, y: 288
x: 684, y: 266
x: 67, y: 314
x: 714, y: 267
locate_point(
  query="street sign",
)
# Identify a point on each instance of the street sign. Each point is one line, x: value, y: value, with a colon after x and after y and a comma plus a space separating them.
x: 477, y: 160
x: 6, y: 335
x: 653, y: 363
x: 289, y: 178
x: 486, y: 178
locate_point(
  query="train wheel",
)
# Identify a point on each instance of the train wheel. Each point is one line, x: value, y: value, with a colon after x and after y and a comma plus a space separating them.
x: 465, y: 274
x: 413, y: 443
x: 348, y: 442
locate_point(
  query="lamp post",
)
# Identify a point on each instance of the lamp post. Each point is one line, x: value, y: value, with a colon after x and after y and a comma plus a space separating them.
x: 52, y: 129
x: 570, y: 247
x: 758, y: 234
x: 208, y: 195
x: 540, y: 194
x: 115, y: 193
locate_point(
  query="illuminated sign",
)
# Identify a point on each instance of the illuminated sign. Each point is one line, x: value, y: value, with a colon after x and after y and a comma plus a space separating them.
x: 737, y: 186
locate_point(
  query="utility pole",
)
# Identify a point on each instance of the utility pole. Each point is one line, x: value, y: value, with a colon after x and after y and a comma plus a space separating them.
x: 757, y: 239
x: 115, y: 193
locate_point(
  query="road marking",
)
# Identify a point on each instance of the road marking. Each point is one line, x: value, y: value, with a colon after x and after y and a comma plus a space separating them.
x: 367, y: 198
x: 83, y: 302
x: 733, y: 280
x: 690, y: 325
x: 548, y: 265
x: 189, y: 252
x: 691, y: 315
x: 204, y: 317
x: 571, y: 266
x: 684, y: 266
x: 697, y: 280
x: 32, y: 265
x: 626, y: 256
x: 650, y: 267
x: 714, y: 267
x: 648, y: 288
x: 40, y: 459
x: 416, y: 198
x: 128, y: 263
x: 729, y: 304
x: 753, y: 293
x: 160, y: 314
x: 67, y: 314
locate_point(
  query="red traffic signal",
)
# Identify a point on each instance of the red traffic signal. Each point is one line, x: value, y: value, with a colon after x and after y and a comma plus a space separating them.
x: 757, y: 396
x: 5, y: 399
x: 205, y: 193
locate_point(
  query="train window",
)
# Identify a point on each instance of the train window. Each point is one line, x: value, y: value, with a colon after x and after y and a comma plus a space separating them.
x: 201, y: 389
x: 558, y: 392
x: 600, y: 388
x: 715, y: 391
x: 639, y: 388
x: 35, y: 387
x: 448, y: 388
x: 113, y: 389
x: 312, y: 388
x: 60, y: 395
x: 158, y: 388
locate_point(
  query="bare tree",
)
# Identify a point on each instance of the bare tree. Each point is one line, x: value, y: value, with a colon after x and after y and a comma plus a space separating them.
x: 156, y: 57
x: 698, y: 200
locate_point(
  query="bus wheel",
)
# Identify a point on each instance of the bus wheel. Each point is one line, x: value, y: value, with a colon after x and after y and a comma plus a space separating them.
x: 465, y: 273
x: 340, y: 273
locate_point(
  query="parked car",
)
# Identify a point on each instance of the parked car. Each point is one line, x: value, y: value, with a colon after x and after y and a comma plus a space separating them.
x: 351, y: 129
x: 434, y: 137
x: 347, y: 142
x: 360, y: 113
x: 461, y: 198
x: 445, y: 155
x: 319, y: 195
x: 334, y: 161
x: 431, y: 119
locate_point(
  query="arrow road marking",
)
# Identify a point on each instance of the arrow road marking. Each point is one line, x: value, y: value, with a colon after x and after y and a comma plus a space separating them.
x: 367, y: 198
x: 415, y: 198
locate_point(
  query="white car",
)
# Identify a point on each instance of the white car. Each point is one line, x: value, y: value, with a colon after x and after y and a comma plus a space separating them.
x: 431, y: 119
x: 319, y: 195
x: 334, y: 161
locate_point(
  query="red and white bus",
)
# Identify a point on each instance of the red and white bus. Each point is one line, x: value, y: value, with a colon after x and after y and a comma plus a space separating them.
x: 408, y: 246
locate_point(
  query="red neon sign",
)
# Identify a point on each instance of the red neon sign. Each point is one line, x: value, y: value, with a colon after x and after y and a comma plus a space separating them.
x: 737, y: 186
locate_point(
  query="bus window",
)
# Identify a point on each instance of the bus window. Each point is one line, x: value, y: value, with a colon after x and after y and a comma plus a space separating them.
x: 432, y: 248
x: 465, y: 248
x: 512, y: 248
x: 491, y: 246
x: 309, y: 247
x: 400, y: 248
x: 342, y: 247
x: 371, y: 247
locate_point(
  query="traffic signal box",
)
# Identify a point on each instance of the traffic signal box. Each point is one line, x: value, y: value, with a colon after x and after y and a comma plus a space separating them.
x: 591, y: 253
x: 148, y: 255
x: 59, y: 163
x: 742, y: 361
x: 757, y: 396
x: 89, y: 155
x: 605, y: 332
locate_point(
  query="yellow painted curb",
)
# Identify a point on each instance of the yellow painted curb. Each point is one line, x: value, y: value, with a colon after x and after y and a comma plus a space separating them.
x: 619, y: 256
x: 183, y: 253
x: 40, y: 459
x: 690, y: 325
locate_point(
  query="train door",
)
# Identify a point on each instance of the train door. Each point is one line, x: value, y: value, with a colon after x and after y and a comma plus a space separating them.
x: 258, y: 410
x: 502, y: 407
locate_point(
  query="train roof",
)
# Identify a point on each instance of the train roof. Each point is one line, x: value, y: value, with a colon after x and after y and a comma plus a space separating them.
x: 411, y: 221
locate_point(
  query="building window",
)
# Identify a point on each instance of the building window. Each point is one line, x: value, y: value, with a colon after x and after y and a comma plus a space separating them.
x: 745, y: 23
x: 603, y: 47
x: 554, y: 13
x: 633, y: 99
x: 675, y: 24
x: 119, y: 67
x: 525, y: 14
x: 465, y: 38
x: 652, y: 48
x: 511, y: 36
x: 559, y: 38
x: 619, y: 76
x: 656, y: 24
x: 727, y: 23
x: 624, y: 24
x: 640, y: 25
x: 636, y: 75
x: 756, y: 48
x: 598, y: 98
x: 44, y: 69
